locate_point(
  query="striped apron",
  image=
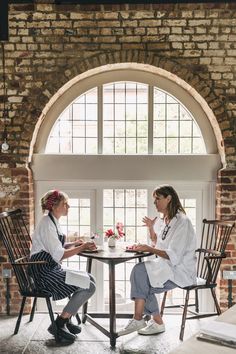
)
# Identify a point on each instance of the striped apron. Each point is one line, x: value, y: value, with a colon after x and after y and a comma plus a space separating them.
x: 50, y: 277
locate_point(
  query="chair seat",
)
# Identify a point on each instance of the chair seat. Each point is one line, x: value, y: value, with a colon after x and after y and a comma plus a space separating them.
x: 36, y: 293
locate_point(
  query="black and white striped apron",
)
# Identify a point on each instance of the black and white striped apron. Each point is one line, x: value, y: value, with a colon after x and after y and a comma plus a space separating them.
x: 51, y: 276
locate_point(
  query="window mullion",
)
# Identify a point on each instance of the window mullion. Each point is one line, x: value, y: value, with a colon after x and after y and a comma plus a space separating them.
x: 150, y: 119
x: 100, y: 119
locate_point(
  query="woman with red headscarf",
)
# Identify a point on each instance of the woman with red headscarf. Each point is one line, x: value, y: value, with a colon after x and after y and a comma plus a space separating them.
x: 48, y: 244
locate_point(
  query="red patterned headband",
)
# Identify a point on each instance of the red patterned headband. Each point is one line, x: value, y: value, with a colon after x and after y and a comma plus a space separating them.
x: 52, y: 199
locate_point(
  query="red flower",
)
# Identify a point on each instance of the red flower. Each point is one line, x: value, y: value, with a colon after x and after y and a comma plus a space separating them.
x: 109, y: 233
x: 120, y: 229
x: 120, y: 233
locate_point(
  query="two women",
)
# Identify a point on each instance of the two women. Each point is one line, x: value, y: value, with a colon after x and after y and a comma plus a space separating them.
x: 49, y: 245
x: 174, y: 243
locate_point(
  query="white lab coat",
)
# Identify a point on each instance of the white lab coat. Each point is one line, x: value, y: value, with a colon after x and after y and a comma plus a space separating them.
x: 180, y: 245
x: 45, y: 238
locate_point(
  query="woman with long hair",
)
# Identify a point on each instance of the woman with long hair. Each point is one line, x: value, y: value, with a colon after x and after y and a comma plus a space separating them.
x: 173, y: 241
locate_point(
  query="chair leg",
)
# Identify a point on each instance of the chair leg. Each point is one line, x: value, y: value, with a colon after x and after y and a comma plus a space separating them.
x: 181, y: 335
x: 20, y: 315
x: 196, y: 301
x: 216, y: 301
x: 33, y: 309
x: 78, y: 318
x: 163, y: 303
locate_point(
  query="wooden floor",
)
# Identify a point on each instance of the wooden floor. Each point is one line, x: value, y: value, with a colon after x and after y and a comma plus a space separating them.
x: 33, y: 338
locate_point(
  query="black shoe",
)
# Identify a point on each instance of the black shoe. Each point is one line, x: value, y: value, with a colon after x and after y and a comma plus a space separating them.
x: 60, y: 331
x: 74, y: 329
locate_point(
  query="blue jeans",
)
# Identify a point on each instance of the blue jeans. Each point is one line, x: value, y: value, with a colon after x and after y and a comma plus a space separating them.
x: 142, y: 289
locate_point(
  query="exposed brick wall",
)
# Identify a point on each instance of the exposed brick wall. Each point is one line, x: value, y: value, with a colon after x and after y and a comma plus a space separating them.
x: 226, y: 209
x: 50, y: 44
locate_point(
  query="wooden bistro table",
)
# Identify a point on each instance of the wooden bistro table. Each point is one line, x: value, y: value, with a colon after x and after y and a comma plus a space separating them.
x: 111, y: 256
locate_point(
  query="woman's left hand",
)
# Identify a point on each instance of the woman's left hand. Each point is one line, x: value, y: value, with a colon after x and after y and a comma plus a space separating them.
x: 78, y: 242
x: 143, y: 248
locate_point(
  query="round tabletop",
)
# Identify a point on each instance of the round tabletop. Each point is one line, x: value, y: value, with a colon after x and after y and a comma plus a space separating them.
x: 118, y: 253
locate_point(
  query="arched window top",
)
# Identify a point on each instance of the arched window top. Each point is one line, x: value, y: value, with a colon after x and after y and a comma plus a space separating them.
x: 126, y: 117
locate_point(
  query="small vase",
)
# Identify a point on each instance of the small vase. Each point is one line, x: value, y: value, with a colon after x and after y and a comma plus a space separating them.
x: 111, y: 242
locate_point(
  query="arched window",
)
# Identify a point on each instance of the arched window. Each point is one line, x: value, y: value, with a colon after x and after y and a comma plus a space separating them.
x: 108, y: 137
x: 126, y: 118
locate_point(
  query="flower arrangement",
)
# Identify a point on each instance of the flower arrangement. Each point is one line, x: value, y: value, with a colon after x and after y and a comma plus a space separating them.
x: 116, y: 234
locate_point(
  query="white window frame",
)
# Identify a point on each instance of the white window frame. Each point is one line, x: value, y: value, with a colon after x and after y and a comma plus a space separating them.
x: 189, y: 174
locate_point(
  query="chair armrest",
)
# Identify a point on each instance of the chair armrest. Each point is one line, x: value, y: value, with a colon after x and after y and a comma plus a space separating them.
x: 18, y: 263
x: 216, y: 257
x: 205, y: 250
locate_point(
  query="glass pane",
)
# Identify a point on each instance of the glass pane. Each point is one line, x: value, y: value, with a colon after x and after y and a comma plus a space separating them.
x: 91, y: 96
x: 79, y: 129
x: 198, y: 146
x: 159, y: 146
x: 159, y: 96
x: 172, y: 129
x: 185, y: 129
x: 142, y: 129
x: 108, y: 197
x: 120, y: 92
x: 108, y: 129
x: 185, y: 146
x: 108, y: 93
x: 120, y: 146
x: 107, y: 216
x: 130, y: 216
x: 91, y: 112
x: 85, y: 216
x: 159, y: 112
x: 131, y: 96
x: 120, y: 129
x: 78, y: 111
x: 142, y: 93
x: 119, y: 112
x: 131, y: 112
x: 108, y: 112
x: 91, y: 129
x: 142, y: 146
x: 142, y: 112
x: 159, y: 129
x: 130, y: 129
x: 91, y: 145
x: 172, y: 145
x: 119, y: 197
x: 79, y: 145
x: 172, y: 111
x: 108, y: 146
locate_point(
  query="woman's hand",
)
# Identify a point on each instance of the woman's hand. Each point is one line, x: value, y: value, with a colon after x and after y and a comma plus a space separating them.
x: 143, y: 248
x: 78, y: 242
x: 149, y: 222
x: 90, y: 246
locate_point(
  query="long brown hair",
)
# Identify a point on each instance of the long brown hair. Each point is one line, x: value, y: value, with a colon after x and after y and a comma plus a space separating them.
x: 174, y: 205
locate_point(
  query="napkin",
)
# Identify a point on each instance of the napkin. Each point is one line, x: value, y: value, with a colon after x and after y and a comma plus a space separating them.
x: 77, y: 278
x: 221, y: 330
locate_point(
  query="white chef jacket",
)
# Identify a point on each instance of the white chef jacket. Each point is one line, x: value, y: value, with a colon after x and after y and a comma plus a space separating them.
x: 180, y: 245
x: 45, y: 238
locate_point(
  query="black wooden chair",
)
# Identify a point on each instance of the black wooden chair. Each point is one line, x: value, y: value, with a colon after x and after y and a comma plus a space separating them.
x: 214, y: 239
x: 16, y: 239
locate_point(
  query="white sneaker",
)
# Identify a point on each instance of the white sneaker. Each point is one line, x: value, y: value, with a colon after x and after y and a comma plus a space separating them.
x: 132, y: 326
x: 152, y: 328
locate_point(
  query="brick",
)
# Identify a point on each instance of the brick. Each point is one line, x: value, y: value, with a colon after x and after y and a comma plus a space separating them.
x: 51, y: 44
